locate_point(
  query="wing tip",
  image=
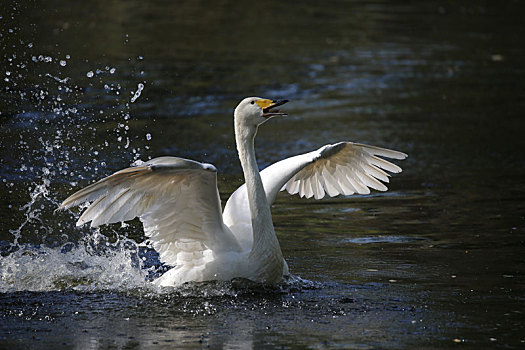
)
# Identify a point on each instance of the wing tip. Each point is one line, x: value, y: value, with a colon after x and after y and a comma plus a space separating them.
x: 398, y: 169
x: 400, y: 155
x: 381, y: 151
x: 69, y: 202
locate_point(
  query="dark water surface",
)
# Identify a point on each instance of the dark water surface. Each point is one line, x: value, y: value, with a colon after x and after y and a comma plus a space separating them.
x: 88, y: 88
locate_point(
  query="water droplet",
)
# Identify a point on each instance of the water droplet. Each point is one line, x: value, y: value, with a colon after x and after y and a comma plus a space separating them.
x: 68, y: 57
x: 140, y: 87
x: 112, y: 70
x: 63, y: 63
x: 89, y: 74
x: 148, y: 136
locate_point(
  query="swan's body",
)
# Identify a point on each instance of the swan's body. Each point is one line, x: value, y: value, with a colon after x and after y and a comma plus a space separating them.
x: 178, y: 202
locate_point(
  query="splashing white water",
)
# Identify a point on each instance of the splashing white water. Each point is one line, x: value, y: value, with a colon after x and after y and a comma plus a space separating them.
x: 71, y: 267
x: 56, y: 148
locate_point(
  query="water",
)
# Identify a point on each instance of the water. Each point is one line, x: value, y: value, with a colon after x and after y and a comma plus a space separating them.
x: 87, y: 89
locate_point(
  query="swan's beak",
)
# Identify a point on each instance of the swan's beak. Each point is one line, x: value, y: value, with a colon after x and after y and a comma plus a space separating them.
x: 268, y: 107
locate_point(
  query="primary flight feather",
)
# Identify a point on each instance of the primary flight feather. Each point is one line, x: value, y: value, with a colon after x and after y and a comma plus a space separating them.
x: 178, y: 202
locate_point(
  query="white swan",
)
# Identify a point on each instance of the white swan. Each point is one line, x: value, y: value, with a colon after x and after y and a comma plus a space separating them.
x: 177, y: 201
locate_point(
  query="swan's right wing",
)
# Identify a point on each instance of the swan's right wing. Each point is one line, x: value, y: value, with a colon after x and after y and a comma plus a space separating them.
x: 343, y: 168
x: 176, y: 199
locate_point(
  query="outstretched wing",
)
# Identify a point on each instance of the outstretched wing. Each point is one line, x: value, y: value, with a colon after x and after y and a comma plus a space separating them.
x: 176, y: 199
x: 342, y: 168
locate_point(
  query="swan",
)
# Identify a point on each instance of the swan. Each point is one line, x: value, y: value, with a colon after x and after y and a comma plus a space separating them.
x: 178, y: 202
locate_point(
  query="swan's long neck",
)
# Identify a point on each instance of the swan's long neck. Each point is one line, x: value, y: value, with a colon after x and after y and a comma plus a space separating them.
x: 266, y: 253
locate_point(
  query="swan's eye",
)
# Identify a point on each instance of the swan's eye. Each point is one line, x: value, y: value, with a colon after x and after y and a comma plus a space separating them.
x: 252, y: 102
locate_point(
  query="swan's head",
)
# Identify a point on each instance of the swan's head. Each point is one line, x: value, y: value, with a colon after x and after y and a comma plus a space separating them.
x: 253, y: 111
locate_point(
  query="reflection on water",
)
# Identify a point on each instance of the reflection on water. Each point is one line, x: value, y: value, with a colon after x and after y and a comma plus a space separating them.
x: 87, y: 89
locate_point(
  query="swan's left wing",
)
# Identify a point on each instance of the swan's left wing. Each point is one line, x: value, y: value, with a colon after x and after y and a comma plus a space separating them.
x: 343, y: 168
x: 176, y: 199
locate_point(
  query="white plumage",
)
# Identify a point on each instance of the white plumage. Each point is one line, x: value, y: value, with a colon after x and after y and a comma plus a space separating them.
x: 178, y: 202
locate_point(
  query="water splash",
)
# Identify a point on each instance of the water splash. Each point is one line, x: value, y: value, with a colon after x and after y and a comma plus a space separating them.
x: 32, y: 212
x: 137, y: 93
x: 76, y: 267
x: 55, y: 108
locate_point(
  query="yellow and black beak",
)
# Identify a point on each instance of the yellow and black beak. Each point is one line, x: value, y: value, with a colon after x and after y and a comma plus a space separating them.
x: 268, y: 107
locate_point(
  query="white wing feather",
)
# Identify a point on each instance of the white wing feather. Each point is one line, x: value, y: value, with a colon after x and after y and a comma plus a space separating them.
x: 343, y: 168
x: 177, y: 201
